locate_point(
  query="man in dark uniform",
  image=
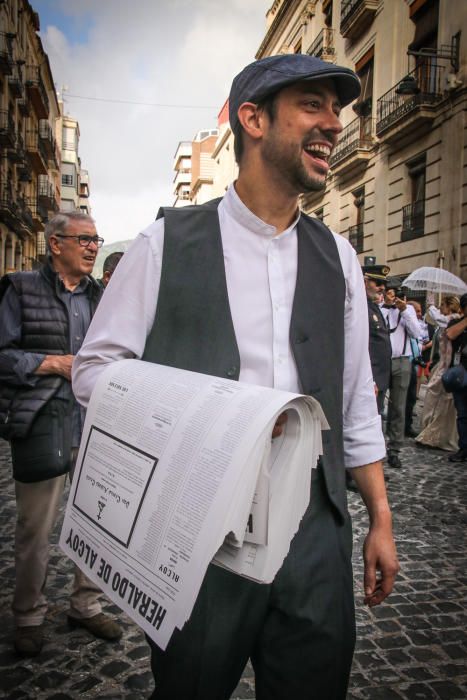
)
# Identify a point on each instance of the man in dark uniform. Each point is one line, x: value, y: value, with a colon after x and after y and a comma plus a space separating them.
x: 379, y: 343
x: 379, y: 340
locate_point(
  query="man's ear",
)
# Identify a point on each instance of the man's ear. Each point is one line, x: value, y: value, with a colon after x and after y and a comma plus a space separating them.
x: 252, y: 119
x: 54, y: 245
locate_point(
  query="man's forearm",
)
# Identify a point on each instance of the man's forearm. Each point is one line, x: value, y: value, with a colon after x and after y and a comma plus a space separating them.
x: 370, y: 482
x: 454, y: 331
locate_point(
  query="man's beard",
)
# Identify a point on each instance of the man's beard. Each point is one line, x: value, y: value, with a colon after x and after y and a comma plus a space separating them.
x: 291, y: 167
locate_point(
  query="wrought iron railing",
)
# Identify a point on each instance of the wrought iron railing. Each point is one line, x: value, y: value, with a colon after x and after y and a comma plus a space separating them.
x: 45, y: 130
x: 34, y: 80
x: 6, y: 53
x: 356, y: 237
x: 359, y: 134
x: 7, y: 124
x: 15, y: 81
x: 24, y: 106
x: 413, y: 220
x: 34, y: 143
x: 323, y: 44
x: 45, y: 188
x: 425, y: 88
x: 25, y: 212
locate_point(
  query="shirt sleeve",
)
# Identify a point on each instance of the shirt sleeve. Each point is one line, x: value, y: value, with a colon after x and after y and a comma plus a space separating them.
x: 17, y: 366
x: 362, y: 431
x: 409, y: 321
x: 440, y: 319
x: 125, y: 314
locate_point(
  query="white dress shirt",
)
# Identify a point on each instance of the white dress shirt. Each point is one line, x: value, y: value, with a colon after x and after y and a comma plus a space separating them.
x: 402, y: 325
x: 261, y: 271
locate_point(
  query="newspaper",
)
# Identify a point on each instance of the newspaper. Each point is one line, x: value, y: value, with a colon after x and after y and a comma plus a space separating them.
x: 177, y: 469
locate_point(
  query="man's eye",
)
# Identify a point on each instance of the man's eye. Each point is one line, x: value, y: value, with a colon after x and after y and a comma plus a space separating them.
x: 314, y: 104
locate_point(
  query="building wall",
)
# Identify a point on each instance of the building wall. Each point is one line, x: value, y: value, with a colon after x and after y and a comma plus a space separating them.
x: 379, y: 165
x: 382, y: 168
x: 29, y: 156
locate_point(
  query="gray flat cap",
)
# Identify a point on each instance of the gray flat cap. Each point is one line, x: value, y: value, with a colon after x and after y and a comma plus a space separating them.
x: 268, y: 75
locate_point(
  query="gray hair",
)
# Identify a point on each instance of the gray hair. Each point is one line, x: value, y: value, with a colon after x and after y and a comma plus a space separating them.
x: 59, y: 223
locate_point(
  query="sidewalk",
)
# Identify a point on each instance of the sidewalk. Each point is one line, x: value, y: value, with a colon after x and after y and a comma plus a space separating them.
x: 413, y: 647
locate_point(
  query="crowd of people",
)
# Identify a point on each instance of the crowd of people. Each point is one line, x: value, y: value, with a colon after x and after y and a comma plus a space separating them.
x: 236, y: 288
x: 407, y: 347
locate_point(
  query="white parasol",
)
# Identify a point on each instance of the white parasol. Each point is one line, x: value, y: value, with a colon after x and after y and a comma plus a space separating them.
x: 435, y: 279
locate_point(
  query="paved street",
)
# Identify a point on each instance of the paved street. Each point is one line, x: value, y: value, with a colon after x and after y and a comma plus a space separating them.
x: 414, y: 647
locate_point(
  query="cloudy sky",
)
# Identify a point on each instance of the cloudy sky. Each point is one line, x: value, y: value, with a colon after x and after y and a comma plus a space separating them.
x: 179, y: 53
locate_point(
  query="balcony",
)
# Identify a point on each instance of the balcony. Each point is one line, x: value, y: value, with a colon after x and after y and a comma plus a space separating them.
x: 37, y: 153
x: 9, y: 209
x: 15, y: 82
x: 6, y: 53
x: 17, y: 154
x: 46, y: 194
x: 7, y: 129
x: 323, y: 45
x: 356, y: 237
x: 356, y: 16
x: 36, y: 213
x: 47, y: 138
x: 24, y: 171
x: 413, y: 220
x: 355, y: 145
x: 25, y: 214
x: 24, y: 106
x: 37, y: 92
x: 399, y: 115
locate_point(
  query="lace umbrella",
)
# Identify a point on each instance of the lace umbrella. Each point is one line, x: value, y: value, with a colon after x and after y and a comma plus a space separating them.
x: 434, y: 279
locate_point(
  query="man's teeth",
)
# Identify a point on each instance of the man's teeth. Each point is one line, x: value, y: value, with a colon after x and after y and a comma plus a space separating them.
x: 318, y: 150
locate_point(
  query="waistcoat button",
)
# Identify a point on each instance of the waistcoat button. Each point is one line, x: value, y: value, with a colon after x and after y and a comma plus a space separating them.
x: 232, y: 371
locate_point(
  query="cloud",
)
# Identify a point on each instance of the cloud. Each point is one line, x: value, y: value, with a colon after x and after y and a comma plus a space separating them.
x: 179, y: 53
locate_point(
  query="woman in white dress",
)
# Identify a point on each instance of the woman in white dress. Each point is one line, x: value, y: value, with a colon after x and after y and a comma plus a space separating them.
x: 439, y: 415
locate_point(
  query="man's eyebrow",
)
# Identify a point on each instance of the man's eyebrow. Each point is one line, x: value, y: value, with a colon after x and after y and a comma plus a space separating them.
x: 319, y: 92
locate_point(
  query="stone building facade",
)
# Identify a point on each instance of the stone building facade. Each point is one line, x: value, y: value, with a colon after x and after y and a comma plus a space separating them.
x: 398, y: 183
x: 29, y: 155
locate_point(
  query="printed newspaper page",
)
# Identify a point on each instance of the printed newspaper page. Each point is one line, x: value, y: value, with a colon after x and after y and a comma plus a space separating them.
x: 171, y: 464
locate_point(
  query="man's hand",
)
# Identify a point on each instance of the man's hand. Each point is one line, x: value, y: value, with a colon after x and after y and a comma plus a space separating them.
x: 56, y: 364
x: 381, y: 564
x: 400, y: 304
x: 280, y: 422
x: 379, y: 549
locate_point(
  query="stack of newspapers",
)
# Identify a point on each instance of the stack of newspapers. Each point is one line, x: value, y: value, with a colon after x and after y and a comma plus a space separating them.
x: 177, y: 470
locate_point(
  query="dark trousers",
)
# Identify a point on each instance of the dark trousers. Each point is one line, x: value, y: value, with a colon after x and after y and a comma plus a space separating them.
x: 460, y: 402
x: 411, y: 398
x: 298, y: 631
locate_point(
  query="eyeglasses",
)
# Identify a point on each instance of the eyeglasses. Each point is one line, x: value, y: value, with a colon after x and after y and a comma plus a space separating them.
x: 83, y: 240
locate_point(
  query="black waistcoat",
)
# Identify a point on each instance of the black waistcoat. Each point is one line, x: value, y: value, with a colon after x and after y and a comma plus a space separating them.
x: 379, y: 346
x: 193, y: 327
x: 44, y: 330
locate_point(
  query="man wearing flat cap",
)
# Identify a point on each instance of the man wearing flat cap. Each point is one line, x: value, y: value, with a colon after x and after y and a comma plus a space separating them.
x: 239, y: 288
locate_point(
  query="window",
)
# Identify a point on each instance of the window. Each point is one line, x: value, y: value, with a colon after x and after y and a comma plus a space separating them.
x: 67, y: 180
x: 413, y: 215
x: 364, y: 106
x: 319, y: 214
x: 69, y: 139
x: 327, y: 10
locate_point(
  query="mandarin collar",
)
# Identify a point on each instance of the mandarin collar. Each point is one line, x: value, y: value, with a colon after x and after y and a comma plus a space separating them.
x: 242, y: 215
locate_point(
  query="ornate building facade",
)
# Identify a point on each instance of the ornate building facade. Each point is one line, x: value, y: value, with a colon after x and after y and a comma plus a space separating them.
x: 398, y: 183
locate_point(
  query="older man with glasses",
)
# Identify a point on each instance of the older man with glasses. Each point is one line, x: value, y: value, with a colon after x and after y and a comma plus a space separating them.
x: 44, y: 316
